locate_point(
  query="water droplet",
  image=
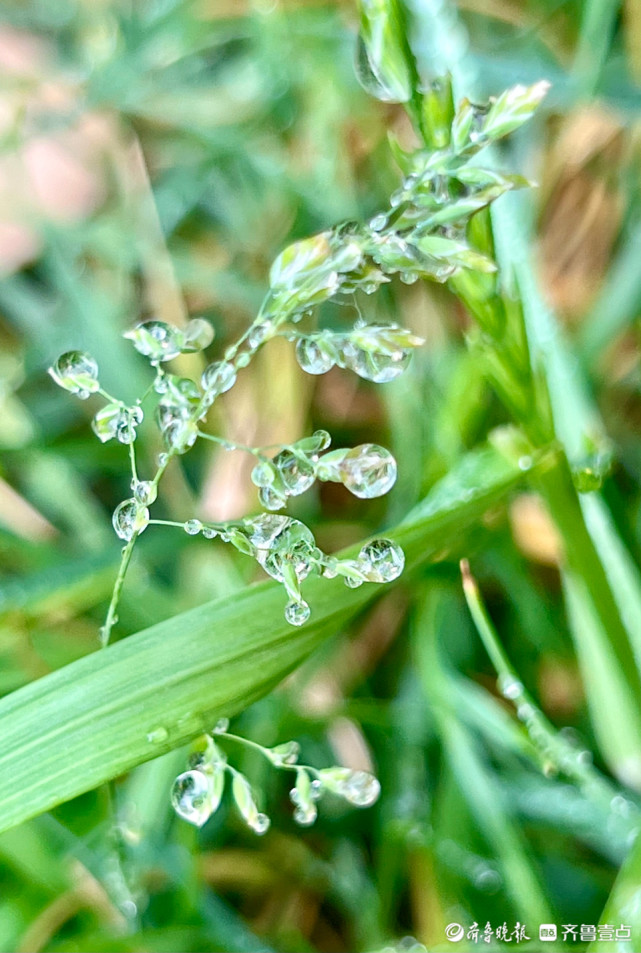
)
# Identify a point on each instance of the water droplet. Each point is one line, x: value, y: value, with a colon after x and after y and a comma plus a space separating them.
x: 286, y: 753
x: 243, y: 359
x: 305, y: 816
x: 218, y: 377
x: 162, y: 459
x: 260, y: 333
x: 130, y: 518
x: 525, y: 462
x: 193, y: 527
x: 381, y: 560
x: 314, y: 356
x: 191, y: 797
x: 261, y: 824
x: 295, y: 470
x: 157, y: 736
x: 263, y: 473
x: 197, y: 335
x: 368, y: 471
x: 76, y: 372
x: 378, y: 223
x: 221, y: 726
x: 316, y: 789
x: 509, y: 687
x: 297, y: 613
x: 156, y: 340
x: 209, y: 532
x: 145, y: 492
x: 180, y: 435
x: 353, y: 582
x: 357, y: 787
x: 271, y: 499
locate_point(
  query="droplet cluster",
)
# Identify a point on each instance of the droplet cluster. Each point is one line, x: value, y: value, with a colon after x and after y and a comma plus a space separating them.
x: 196, y: 793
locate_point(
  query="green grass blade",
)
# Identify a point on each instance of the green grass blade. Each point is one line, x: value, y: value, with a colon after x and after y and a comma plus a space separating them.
x: 91, y: 721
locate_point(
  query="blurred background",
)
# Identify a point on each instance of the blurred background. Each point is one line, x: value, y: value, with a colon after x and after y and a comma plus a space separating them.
x: 155, y: 157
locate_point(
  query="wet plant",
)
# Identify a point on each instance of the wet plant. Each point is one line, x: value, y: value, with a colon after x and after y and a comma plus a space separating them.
x: 422, y: 234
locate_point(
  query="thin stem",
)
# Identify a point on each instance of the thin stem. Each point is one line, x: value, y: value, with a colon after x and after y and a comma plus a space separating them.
x: 110, y: 621
x: 132, y: 460
x: 551, y: 745
x: 248, y: 743
x: 230, y: 444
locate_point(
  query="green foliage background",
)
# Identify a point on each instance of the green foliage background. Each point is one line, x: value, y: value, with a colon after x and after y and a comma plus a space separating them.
x: 156, y: 157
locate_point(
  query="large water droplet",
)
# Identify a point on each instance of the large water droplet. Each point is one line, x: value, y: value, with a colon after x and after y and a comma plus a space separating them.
x: 180, y: 435
x: 271, y: 499
x: 191, y: 797
x: 76, y: 372
x: 156, y: 340
x: 314, y: 356
x: 263, y: 473
x: 368, y: 471
x: 297, y: 613
x: 381, y: 560
x: 193, y: 527
x: 129, y: 519
x: 197, y: 335
x: 145, y: 492
x: 357, y: 787
x: 295, y: 470
x: 219, y: 377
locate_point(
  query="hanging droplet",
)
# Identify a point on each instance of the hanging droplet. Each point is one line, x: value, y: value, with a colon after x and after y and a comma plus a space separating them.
x: 209, y: 532
x: 156, y: 340
x: 271, y: 499
x: 145, y: 492
x: 260, y: 333
x: 378, y: 223
x: 76, y: 372
x: 221, y: 726
x: 263, y: 473
x: 180, y: 435
x: 197, y: 335
x: 218, y: 377
x: 368, y: 471
x: 301, y: 795
x: 295, y: 470
x: 243, y: 359
x: 357, y: 787
x: 191, y: 797
x: 247, y: 806
x: 286, y: 753
x: 297, y: 613
x: 314, y: 356
x: 193, y: 527
x: 381, y: 560
x: 130, y: 519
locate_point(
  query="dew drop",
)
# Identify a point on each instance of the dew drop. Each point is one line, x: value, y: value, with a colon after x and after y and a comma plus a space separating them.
x: 297, y: 613
x: 191, y: 797
x: 305, y: 815
x: 271, y: 499
x: 193, y: 527
x: 381, y: 560
x: 296, y: 472
x: 357, y: 787
x: 313, y: 356
x: 263, y: 473
x: 243, y: 359
x: 218, y: 377
x: 157, y: 736
x: 129, y: 519
x: 509, y: 687
x: 261, y: 824
x: 368, y: 471
x: 145, y: 492
x: 378, y: 223
x: 221, y: 726
x: 156, y: 340
x: 76, y: 372
x: 197, y: 335
x: 209, y: 532
x: 259, y: 334
x: 409, y: 277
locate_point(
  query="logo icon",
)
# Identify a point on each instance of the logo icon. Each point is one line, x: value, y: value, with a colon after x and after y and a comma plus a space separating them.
x: 454, y: 932
x: 547, y: 932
